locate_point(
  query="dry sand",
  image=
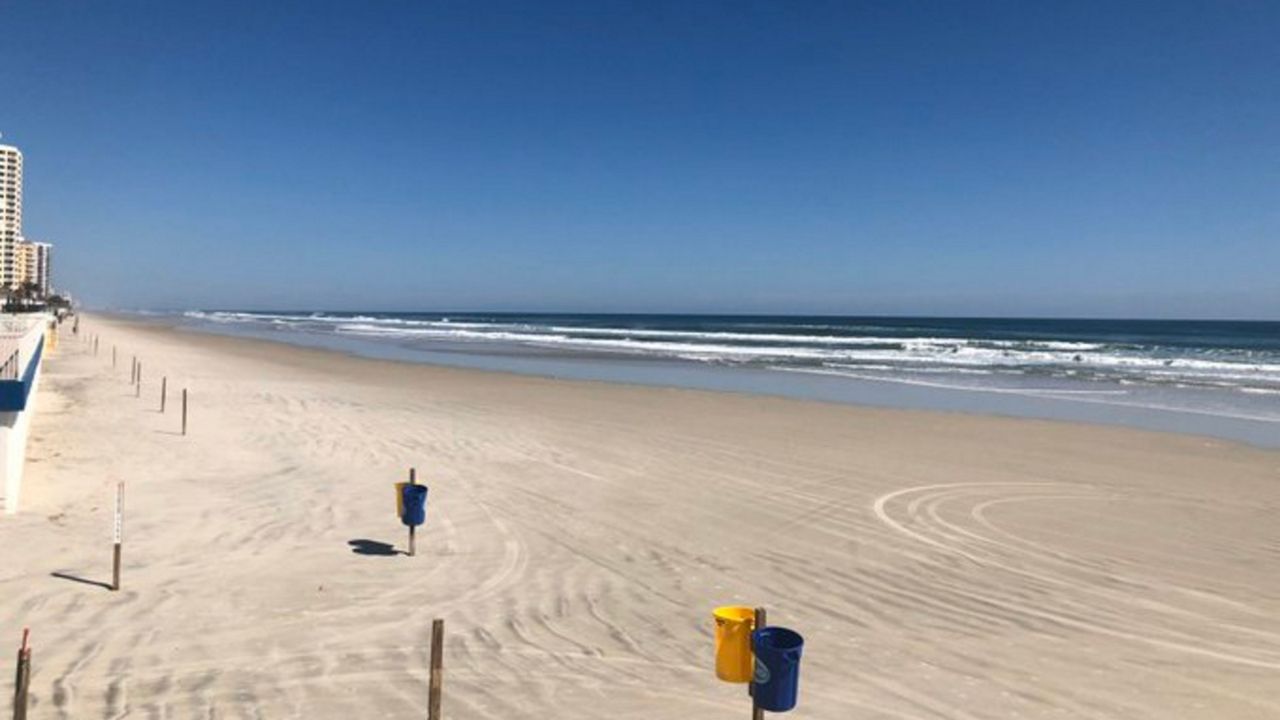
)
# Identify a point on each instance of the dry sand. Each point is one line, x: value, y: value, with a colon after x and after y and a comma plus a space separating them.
x: 579, y: 534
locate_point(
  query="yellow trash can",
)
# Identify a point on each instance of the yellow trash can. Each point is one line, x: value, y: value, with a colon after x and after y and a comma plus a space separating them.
x: 400, y: 499
x: 734, y: 662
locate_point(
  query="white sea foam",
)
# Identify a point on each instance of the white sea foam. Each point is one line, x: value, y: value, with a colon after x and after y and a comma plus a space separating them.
x: 1104, y: 397
x: 1124, y: 363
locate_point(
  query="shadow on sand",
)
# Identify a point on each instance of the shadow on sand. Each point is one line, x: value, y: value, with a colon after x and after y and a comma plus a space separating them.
x: 372, y: 547
x: 83, y: 581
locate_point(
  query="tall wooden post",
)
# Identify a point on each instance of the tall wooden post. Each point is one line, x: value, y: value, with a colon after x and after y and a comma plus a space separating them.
x: 119, y: 538
x: 756, y: 712
x: 413, y: 547
x: 164, y: 392
x: 437, y: 670
x: 138, y: 386
x: 22, y: 679
x: 133, y: 373
x: 184, y: 411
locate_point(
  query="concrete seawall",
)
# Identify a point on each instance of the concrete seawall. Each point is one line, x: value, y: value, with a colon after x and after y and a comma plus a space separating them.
x: 23, y: 342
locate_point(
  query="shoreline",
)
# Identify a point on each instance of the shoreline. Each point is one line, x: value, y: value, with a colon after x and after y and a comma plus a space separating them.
x: 579, y: 533
x: 905, y: 396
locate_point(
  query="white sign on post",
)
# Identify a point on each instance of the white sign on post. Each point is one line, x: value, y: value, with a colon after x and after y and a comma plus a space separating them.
x: 119, y: 513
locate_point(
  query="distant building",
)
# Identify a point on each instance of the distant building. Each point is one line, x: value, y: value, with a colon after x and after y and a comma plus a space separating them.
x: 32, y: 259
x: 10, y: 214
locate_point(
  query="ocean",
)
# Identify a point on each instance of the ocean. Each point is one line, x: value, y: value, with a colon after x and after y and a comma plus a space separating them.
x: 1218, y: 378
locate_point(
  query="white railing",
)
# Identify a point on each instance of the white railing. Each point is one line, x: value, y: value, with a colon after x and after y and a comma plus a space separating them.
x: 11, y: 369
x: 19, y: 335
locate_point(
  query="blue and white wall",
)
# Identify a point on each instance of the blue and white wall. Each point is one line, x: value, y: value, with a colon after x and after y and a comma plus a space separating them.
x: 22, y: 347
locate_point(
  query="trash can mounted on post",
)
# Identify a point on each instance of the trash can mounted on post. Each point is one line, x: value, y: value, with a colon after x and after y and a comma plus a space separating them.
x: 412, y: 504
x: 777, y: 668
x: 734, y: 624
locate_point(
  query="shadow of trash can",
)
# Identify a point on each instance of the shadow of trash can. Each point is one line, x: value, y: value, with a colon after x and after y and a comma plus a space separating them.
x: 733, y: 642
x: 776, y: 681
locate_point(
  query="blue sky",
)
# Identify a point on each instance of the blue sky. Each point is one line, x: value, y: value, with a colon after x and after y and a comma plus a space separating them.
x: 983, y: 158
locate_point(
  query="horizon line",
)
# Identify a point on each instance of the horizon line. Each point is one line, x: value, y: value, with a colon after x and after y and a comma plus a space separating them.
x: 691, y: 314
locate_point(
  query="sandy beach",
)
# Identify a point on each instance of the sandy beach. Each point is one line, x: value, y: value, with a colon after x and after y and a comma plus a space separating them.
x: 579, y: 535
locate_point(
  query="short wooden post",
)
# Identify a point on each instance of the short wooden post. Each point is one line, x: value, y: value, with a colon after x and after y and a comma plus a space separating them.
x: 437, y: 669
x: 164, y: 392
x: 413, y: 546
x: 184, y: 411
x: 119, y: 538
x: 22, y: 679
x: 761, y: 618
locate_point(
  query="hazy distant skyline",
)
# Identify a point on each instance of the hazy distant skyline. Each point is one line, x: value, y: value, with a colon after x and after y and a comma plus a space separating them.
x: 1000, y: 158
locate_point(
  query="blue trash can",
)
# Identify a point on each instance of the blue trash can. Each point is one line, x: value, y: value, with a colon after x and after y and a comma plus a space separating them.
x: 415, y: 504
x: 777, y: 673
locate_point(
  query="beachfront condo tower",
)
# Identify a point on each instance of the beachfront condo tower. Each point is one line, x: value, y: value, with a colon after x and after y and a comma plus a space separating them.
x: 32, y: 259
x: 10, y: 214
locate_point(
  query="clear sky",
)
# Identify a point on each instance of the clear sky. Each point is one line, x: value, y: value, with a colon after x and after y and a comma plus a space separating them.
x: 988, y: 158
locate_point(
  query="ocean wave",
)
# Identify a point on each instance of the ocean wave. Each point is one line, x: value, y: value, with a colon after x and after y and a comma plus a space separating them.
x: 1122, y: 361
x: 499, y: 328
x: 922, y: 352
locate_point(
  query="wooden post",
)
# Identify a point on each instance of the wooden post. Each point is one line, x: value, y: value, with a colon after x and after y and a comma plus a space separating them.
x: 413, y: 548
x: 164, y: 392
x: 113, y: 357
x: 437, y: 669
x: 119, y: 537
x: 756, y: 712
x: 133, y: 373
x: 95, y: 345
x: 22, y: 679
x: 138, y: 387
x: 184, y: 411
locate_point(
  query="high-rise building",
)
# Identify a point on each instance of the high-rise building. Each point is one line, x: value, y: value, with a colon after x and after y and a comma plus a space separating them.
x: 10, y: 214
x: 32, y: 259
